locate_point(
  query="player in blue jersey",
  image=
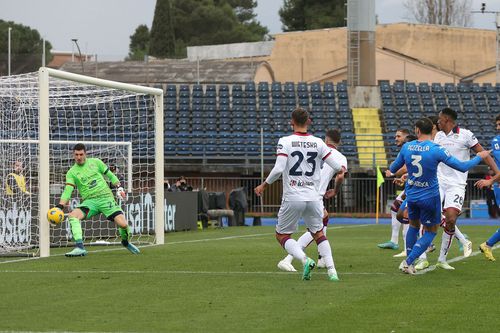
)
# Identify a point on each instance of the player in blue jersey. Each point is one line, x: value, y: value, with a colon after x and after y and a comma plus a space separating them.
x: 421, y: 158
x: 495, y: 238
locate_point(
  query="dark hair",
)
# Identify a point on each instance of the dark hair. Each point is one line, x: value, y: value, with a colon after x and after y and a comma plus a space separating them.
x: 300, y: 116
x: 424, y: 125
x: 434, y: 120
x: 450, y: 113
x: 497, y: 118
x: 410, y: 137
x: 79, y: 146
x: 333, y: 134
x: 403, y: 130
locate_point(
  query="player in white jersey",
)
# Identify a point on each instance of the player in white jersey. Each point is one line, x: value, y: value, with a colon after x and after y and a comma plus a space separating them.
x: 299, y: 158
x: 332, y: 140
x: 458, y: 141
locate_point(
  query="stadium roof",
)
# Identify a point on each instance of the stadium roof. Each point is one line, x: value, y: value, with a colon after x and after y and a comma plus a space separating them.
x: 172, y: 71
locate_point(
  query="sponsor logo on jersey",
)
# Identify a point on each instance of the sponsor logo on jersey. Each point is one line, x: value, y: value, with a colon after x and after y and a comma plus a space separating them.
x: 300, y: 183
x: 417, y: 183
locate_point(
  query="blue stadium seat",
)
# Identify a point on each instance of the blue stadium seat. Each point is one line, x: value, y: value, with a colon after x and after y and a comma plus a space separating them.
x: 276, y: 86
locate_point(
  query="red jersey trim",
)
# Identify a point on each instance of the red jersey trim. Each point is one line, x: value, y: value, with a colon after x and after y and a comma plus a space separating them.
x: 326, y: 156
x: 301, y: 134
x: 332, y: 146
x: 281, y: 154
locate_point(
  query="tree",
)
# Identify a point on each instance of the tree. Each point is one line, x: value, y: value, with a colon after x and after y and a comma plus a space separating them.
x: 26, y: 48
x: 312, y: 14
x: 444, y: 12
x: 181, y: 23
x: 139, y: 43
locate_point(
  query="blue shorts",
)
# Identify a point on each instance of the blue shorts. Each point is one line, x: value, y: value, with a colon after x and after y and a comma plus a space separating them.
x: 428, y: 211
x: 496, y: 190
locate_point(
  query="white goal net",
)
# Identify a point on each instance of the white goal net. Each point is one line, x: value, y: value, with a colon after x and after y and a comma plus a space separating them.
x: 42, y: 116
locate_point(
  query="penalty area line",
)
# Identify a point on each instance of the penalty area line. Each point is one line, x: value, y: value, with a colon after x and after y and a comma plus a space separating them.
x: 456, y: 259
x: 119, y: 248
x: 182, y: 272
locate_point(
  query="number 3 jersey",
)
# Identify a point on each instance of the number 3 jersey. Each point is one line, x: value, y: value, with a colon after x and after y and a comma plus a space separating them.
x: 422, y: 159
x: 299, y: 158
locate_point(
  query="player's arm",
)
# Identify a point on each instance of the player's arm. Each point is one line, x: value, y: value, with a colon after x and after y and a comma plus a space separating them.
x: 104, y: 169
x: 493, y: 166
x: 68, y: 190
x: 399, y: 162
x: 462, y: 166
x: 279, y: 167
x: 274, y: 175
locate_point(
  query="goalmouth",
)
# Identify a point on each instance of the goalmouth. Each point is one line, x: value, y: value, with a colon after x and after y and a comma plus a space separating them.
x: 43, y: 115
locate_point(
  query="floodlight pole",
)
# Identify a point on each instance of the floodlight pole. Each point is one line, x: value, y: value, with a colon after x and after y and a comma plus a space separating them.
x: 79, y: 52
x: 8, y: 51
x: 497, y: 39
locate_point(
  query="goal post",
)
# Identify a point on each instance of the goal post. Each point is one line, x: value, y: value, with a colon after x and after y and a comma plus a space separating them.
x: 43, y: 115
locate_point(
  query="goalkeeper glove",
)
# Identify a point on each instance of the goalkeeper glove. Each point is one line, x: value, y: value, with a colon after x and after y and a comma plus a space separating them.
x: 120, y: 193
x: 61, y: 207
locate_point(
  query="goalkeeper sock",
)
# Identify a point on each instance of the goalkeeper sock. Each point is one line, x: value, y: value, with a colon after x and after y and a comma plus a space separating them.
x: 125, y: 234
x: 76, y: 230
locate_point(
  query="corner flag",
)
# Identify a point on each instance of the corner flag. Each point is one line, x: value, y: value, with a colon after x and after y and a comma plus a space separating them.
x: 380, y: 178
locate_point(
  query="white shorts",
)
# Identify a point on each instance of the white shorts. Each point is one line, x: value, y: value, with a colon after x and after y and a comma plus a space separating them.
x: 291, y: 211
x: 452, y: 196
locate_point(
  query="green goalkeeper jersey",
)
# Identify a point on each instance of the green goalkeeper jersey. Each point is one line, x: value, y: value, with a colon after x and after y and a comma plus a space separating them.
x: 89, y: 180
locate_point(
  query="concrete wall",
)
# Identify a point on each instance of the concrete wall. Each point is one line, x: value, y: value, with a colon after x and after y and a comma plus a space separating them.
x: 225, y: 51
x: 463, y: 50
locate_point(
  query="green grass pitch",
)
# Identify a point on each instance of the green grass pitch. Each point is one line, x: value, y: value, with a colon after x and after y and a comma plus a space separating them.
x: 226, y: 280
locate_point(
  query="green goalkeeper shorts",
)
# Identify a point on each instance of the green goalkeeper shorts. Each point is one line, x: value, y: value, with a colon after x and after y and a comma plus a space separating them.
x: 104, y: 205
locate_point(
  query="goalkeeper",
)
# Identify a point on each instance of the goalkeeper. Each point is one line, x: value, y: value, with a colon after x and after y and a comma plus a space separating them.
x: 87, y: 176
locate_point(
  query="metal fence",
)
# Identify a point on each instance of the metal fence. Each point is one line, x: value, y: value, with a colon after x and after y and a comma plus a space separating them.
x: 357, y: 197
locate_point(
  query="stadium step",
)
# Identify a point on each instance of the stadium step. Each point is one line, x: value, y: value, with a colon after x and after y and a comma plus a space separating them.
x: 369, y: 137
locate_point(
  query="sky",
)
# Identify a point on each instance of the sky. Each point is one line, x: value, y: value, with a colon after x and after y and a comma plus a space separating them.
x: 103, y: 27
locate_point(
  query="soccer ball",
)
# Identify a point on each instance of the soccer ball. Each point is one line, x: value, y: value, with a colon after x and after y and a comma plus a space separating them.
x: 55, y: 215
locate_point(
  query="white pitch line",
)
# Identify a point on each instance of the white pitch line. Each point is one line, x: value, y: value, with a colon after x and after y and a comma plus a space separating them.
x: 456, y: 259
x: 183, y: 272
x: 179, y: 242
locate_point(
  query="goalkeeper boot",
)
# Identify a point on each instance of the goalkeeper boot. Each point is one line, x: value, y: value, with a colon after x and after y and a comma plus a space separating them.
x: 308, y: 267
x: 132, y: 248
x: 77, y: 252
x: 487, y: 251
x: 388, y: 245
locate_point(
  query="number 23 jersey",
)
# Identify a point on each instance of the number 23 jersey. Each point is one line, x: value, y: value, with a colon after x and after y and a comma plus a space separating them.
x: 302, y: 174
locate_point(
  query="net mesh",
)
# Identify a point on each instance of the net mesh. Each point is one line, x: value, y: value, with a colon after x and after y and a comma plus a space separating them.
x: 116, y: 126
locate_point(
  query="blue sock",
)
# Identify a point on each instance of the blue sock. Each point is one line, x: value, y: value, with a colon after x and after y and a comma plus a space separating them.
x: 79, y: 244
x: 420, y: 246
x: 494, y: 238
x: 411, y: 238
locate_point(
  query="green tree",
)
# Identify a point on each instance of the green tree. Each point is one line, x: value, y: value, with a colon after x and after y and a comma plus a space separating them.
x: 26, y: 48
x: 181, y: 23
x: 312, y: 14
x: 139, y: 43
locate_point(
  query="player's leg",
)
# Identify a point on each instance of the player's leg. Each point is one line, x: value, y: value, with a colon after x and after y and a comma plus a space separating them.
x: 411, y: 235
x: 109, y: 208
x: 402, y: 217
x: 125, y: 231
x: 286, y: 263
x: 288, y: 217
x: 74, y: 219
x: 430, y: 213
x: 395, y: 226
x: 313, y: 218
x: 321, y: 263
